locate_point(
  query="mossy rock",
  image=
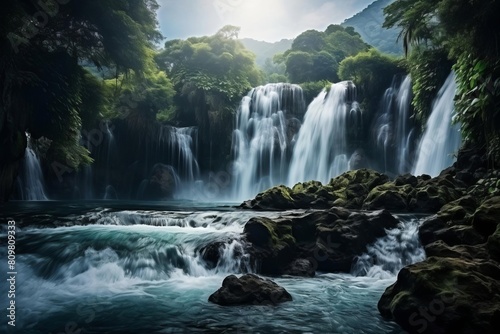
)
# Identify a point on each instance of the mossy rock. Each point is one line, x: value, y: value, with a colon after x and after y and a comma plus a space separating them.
x: 278, y: 198
x: 459, y: 211
x: 387, y: 196
x: 445, y: 295
x: 493, y: 245
x: 487, y: 216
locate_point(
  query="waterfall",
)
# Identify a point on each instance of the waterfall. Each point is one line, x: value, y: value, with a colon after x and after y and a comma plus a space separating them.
x: 441, y: 138
x: 261, y: 140
x: 31, y: 182
x: 392, y: 130
x: 183, y: 147
x: 389, y: 254
x: 320, y: 152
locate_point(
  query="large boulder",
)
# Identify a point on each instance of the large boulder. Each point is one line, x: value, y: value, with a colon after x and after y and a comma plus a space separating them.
x: 487, y: 216
x: 249, y: 289
x: 445, y: 295
x: 322, y: 240
x: 347, y: 190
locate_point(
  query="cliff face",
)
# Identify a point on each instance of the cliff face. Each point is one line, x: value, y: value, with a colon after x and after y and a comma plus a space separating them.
x: 12, y: 148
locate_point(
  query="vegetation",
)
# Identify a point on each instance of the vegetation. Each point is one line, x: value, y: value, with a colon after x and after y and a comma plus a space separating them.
x: 210, y: 75
x: 368, y: 23
x: 45, y: 89
x: 315, y: 55
x: 372, y: 73
x: 468, y: 32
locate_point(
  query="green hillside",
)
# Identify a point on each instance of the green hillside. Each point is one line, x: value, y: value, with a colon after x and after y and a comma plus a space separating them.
x: 368, y: 23
x: 264, y: 50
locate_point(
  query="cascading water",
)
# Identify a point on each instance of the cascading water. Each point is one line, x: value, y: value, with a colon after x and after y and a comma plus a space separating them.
x: 320, y: 152
x: 182, y: 144
x: 388, y: 255
x: 393, y: 132
x: 148, y: 269
x: 261, y: 140
x: 31, y: 181
x: 442, y: 138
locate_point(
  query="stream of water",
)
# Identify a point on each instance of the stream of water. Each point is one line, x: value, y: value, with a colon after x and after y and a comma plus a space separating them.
x: 124, y: 267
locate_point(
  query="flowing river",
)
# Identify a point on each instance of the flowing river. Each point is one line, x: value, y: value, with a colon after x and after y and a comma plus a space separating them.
x: 117, y: 267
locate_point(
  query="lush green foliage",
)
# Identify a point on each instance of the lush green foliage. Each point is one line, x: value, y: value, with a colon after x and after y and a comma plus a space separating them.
x: 45, y: 90
x: 315, y: 55
x: 429, y: 68
x: 372, y: 73
x: 469, y: 31
x: 210, y: 75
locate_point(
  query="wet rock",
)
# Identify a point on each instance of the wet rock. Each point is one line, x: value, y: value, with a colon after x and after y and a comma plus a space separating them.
x: 211, y: 253
x: 249, y: 289
x: 300, y: 267
x: 445, y: 295
x: 348, y: 190
x: 331, y: 239
x: 487, y: 216
x: 493, y: 245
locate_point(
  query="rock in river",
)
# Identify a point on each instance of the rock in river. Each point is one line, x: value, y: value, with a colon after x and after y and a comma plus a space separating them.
x: 249, y: 289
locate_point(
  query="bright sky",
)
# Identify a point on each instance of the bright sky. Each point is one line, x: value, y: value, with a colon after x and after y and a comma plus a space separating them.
x: 269, y: 20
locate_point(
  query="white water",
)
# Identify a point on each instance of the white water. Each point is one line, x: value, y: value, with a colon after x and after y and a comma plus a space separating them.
x: 260, y: 140
x: 183, y: 147
x: 392, y: 128
x: 320, y: 152
x: 388, y: 255
x: 441, y: 139
x: 141, y: 271
x: 31, y: 181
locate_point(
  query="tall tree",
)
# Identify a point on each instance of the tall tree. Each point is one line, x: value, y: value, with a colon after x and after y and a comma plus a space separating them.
x: 45, y: 90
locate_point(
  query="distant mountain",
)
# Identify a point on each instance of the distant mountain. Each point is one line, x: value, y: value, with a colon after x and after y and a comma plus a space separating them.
x: 368, y: 23
x: 264, y: 50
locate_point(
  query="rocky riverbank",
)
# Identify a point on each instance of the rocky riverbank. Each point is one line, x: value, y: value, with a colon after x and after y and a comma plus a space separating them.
x: 455, y: 290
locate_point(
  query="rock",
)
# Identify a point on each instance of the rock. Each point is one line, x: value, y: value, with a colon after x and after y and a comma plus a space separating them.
x: 487, y: 216
x: 330, y: 240
x: 459, y: 211
x: 276, y: 198
x: 385, y: 199
x: 348, y: 190
x: 445, y: 295
x: 441, y: 249
x: 493, y: 245
x: 300, y: 267
x: 340, y: 242
x: 211, y: 253
x: 249, y: 289
x: 405, y: 179
x: 452, y: 233
x: 273, y: 244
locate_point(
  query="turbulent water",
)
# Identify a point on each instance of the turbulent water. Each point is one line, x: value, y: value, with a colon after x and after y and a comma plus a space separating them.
x: 442, y: 138
x: 137, y: 268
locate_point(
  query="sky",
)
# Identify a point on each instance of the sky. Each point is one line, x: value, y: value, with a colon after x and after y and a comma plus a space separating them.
x: 267, y: 20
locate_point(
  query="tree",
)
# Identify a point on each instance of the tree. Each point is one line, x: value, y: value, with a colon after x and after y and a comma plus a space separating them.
x: 210, y: 75
x: 315, y: 55
x: 372, y: 73
x: 45, y: 90
x: 469, y: 32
